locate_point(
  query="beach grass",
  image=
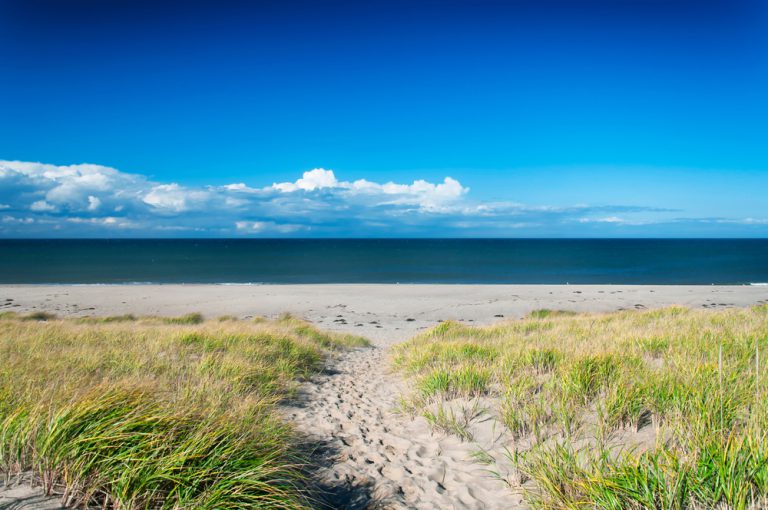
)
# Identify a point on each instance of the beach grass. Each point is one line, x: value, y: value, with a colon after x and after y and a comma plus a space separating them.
x: 133, y: 412
x: 661, y: 409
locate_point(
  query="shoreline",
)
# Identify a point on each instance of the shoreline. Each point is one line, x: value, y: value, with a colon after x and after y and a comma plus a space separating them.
x: 385, y: 313
x: 358, y: 284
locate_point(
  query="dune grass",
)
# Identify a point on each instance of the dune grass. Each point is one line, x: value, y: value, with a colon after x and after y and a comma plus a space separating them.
x: 664, y: 409
x: 127, y: 412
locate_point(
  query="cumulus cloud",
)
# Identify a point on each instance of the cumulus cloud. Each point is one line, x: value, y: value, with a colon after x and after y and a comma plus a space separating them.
x: 317, y: 178
x: 93, y: 203
x: 15, y: 220
x: 108, y: 221
x: 69, y: 189
x: 41, y: 206
x: 174, y: 198
x: 421, y: 193
x: 102, y: 198
x: 260, y: 227
x: 85, y: 199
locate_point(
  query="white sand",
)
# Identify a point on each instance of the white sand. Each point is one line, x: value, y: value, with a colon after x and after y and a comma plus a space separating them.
x: 379, y: 456
x: 24, y: 496
x: 343, y: 307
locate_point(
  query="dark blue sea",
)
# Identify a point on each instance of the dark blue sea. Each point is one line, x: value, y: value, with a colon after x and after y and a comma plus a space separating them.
x: 531, y: 261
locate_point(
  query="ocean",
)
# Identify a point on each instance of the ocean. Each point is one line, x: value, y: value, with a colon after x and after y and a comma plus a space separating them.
x: 284, y: 261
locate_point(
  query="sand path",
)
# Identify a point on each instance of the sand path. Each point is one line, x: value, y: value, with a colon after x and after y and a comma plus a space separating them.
x: 381, y: 458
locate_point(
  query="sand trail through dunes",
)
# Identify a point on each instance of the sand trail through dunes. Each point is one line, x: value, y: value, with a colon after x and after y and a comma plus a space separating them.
x: 385, y: 459
x: 377, y: 456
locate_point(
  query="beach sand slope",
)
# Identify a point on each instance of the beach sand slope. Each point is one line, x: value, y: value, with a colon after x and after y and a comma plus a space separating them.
x: 374, y: 454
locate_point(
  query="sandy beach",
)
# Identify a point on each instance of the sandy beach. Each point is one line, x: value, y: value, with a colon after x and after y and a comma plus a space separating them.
x: 381, y: 457
x: 383, y: 313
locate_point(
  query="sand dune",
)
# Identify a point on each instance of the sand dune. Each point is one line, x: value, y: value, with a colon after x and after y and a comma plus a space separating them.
x: 375, y: 455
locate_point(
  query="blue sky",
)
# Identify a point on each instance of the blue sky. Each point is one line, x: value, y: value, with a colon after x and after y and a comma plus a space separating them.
x: 607, y: 118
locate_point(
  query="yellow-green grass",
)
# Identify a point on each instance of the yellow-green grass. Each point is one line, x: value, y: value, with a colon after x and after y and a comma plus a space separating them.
x: 127, y: 413
x: 662, y: 409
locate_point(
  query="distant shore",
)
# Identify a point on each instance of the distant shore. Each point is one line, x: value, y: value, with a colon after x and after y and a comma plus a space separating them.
x: 385, y: 313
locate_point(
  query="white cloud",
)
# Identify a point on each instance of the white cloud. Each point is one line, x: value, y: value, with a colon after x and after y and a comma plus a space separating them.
x: 618, y: 221
x: 97, y: 200
x: 317, y: 178
x: 609, y: 219
x: 317, y: 200
x: 429, y: 196
x: 93, y: 203
x: 166, y: 196
x: 15, y: 220
x: 426, y: 195
x: 240, y: 186
x: 68, y: 188
x: 108, y: 221
x: 41, y: 206
x: 744, y: 221
x: 258, y: 227
x: 174, y: 198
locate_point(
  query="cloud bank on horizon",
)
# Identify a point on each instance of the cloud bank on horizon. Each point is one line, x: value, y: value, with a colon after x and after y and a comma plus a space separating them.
x: 88, y: 200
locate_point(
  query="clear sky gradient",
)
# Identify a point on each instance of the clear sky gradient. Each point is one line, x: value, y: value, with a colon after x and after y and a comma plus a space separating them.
x: 555, y: 118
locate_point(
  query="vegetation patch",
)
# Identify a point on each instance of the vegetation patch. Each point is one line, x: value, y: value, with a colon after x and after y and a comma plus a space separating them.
x: 38, y: 316
x: 543, y: 313
x: 155, y: 413
x: 661, y: 409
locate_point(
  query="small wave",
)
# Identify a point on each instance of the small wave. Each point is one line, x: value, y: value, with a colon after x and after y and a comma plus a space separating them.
x: 759, y: 284
x: 109, y: 284
x: 119, y: 284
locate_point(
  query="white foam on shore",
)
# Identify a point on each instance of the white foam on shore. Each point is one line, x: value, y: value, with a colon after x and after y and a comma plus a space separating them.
x: 759, y: 284
x: 96, y: 284
x: 120, y: 284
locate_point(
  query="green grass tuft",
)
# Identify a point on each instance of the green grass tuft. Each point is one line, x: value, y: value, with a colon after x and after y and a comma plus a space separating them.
x: 107, y: 319
x: 190, y: 318
x: 38, y: 316
x: 658, y: 409
x: 149, y: 413
x: 544, y: 313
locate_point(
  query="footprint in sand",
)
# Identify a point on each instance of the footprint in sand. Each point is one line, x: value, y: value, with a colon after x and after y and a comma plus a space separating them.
x: 384, y: 459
